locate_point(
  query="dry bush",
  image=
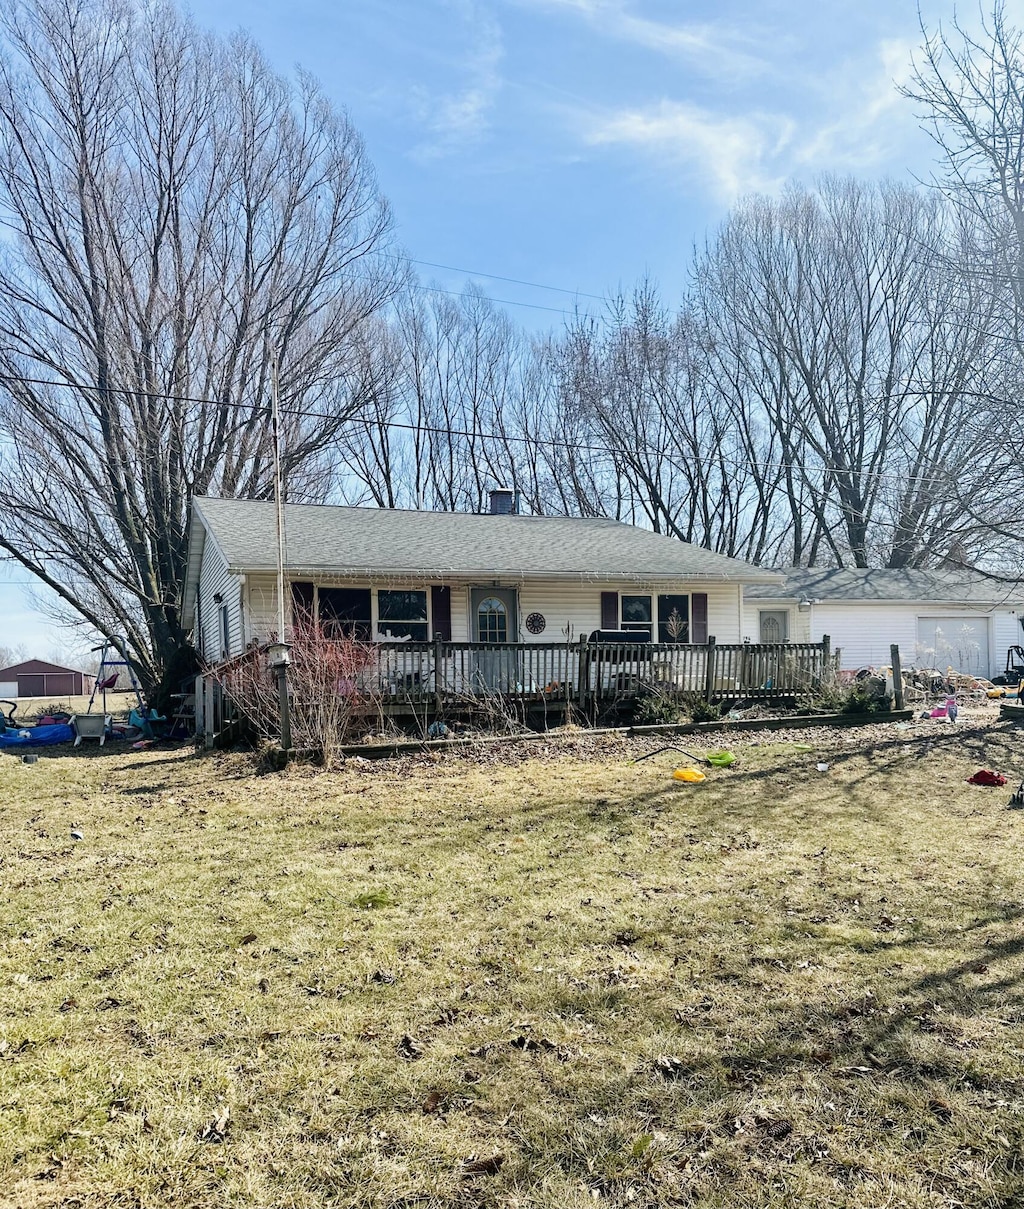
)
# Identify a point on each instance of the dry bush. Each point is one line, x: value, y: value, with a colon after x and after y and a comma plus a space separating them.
x: 333, y: 684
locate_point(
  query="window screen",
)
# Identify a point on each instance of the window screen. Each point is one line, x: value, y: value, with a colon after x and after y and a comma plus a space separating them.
x: 636, y: 613
x: 674, y: 618
x: 402, y: 614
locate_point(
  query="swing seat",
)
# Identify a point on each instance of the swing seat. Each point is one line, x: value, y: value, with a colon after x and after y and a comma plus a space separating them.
x: 106, y: 683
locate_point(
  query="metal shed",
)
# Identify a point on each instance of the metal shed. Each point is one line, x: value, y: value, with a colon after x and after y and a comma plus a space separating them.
x: 36, y: 678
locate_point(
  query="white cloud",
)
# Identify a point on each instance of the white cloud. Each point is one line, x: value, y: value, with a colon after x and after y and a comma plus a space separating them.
x: 870, y: 116
x: 729, y: 155
x: 457, y: 119
x: 714, y: 49
x: 853, y: 120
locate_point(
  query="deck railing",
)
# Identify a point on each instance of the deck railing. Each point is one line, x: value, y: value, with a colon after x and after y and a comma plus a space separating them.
x: 418, y: 672
x: 522, y: 678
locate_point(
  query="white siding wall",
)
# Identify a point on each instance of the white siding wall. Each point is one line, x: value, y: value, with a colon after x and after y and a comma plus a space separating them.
x: 1006, y: 632
x: 863, y: 631
x: 215, y: 579
x: 260, y: 616
x: 799, y: 621
x: 570, y: 605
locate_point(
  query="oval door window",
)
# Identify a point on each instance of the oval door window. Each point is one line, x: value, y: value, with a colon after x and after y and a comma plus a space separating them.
x: 492, y: 620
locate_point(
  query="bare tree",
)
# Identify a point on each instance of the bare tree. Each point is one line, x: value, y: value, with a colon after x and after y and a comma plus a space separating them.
x: 179, y: 220
x: 970, y: 89
x: 838, y: 313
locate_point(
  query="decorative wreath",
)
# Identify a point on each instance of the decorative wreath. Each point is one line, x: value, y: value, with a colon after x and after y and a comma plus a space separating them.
x: 536, y: 623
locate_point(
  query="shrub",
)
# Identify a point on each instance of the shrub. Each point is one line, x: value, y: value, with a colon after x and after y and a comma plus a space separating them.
x: 332, y: 681
x: 656, y: 710
x: 660, y: 710
x: 704, y: 711
x: 866, y: 697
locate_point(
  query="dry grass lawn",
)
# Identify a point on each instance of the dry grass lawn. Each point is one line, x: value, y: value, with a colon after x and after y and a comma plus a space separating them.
x: 543, y: 978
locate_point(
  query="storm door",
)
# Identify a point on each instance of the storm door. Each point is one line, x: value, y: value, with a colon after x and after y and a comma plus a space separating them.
x: 495, y: 622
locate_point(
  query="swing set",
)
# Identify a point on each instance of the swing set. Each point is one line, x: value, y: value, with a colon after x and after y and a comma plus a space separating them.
x: 112, y: 655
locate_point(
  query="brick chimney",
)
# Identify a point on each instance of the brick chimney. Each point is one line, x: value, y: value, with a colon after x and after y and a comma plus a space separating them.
x: 503, y: 501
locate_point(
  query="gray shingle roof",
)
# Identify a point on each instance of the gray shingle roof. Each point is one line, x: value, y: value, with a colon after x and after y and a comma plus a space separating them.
x: 331, y: 539
x: 857, y: 584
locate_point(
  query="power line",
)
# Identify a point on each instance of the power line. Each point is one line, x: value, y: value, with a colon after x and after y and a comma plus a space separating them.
x: 512, y: 280
x: 533, y: 306
x: 534, y: 441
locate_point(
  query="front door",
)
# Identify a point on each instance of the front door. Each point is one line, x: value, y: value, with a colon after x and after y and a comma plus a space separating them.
x: 495, y: 622
x: 774, y: 625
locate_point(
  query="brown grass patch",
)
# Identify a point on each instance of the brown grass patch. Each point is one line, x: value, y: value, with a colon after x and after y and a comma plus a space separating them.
x: 542, y: 977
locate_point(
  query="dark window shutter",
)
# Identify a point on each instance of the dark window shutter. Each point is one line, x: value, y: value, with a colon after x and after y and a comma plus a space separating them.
x: 699, y: 617
x: 302, y: 601
x: 441, y: 611
x: 609, y: 610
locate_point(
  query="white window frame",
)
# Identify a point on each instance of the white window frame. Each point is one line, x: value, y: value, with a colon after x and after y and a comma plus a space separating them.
x: 378, y: 626
x: 637, y: 627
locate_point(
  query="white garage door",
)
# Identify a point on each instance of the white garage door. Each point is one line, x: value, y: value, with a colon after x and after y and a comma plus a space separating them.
x: 957, y: 642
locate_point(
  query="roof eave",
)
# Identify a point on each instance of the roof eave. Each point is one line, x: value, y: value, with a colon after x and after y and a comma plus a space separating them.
x: 474, y: 575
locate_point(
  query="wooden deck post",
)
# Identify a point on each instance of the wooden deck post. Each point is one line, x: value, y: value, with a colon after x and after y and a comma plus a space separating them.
x: 897, y: 676
x: 438, y: 677
x: 826, y: 655
x: 583, y: 674
x: 709, y: 670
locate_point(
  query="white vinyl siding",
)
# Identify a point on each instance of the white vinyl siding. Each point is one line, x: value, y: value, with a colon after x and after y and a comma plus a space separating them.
x: 216, y: 580
x: 863, y: 631
x: 1006, y: 632
x: 570, y: 610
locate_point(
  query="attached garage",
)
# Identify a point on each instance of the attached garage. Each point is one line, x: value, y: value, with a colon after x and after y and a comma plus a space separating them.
x: 937, y: 618
x: 36, y: 678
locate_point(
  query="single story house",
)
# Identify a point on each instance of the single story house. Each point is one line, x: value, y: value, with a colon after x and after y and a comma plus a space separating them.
x: 938, y: 618
x: 497, y: 577
x: 35, y: 678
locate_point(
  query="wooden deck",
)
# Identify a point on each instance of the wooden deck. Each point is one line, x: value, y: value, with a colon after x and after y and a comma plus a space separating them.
x: 544, y: 683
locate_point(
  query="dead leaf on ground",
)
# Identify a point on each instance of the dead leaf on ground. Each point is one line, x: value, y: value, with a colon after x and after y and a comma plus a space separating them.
x: 408, y: 1048
x: 432, y: 1102
x: 217, y: 1129
x: 264, y: 986
x: 940, y: 1108
x: 248, y: 938
x: 669, y: 1067
x: 477, y: 1166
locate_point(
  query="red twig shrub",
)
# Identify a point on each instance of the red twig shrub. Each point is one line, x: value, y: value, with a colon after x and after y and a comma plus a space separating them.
x: 333, y: 684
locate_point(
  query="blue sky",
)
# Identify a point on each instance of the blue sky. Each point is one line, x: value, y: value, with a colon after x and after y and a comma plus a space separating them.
x: 581, y: 144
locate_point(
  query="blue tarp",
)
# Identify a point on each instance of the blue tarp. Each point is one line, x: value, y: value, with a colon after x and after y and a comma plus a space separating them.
x: 37, y: 736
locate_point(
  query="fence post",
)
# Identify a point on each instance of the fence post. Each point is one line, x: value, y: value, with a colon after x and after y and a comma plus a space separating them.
x: 826, y: 649
x: 709, y: 670
x: 583, y: 674
x: 897, y: 676
x: 438, y: 677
